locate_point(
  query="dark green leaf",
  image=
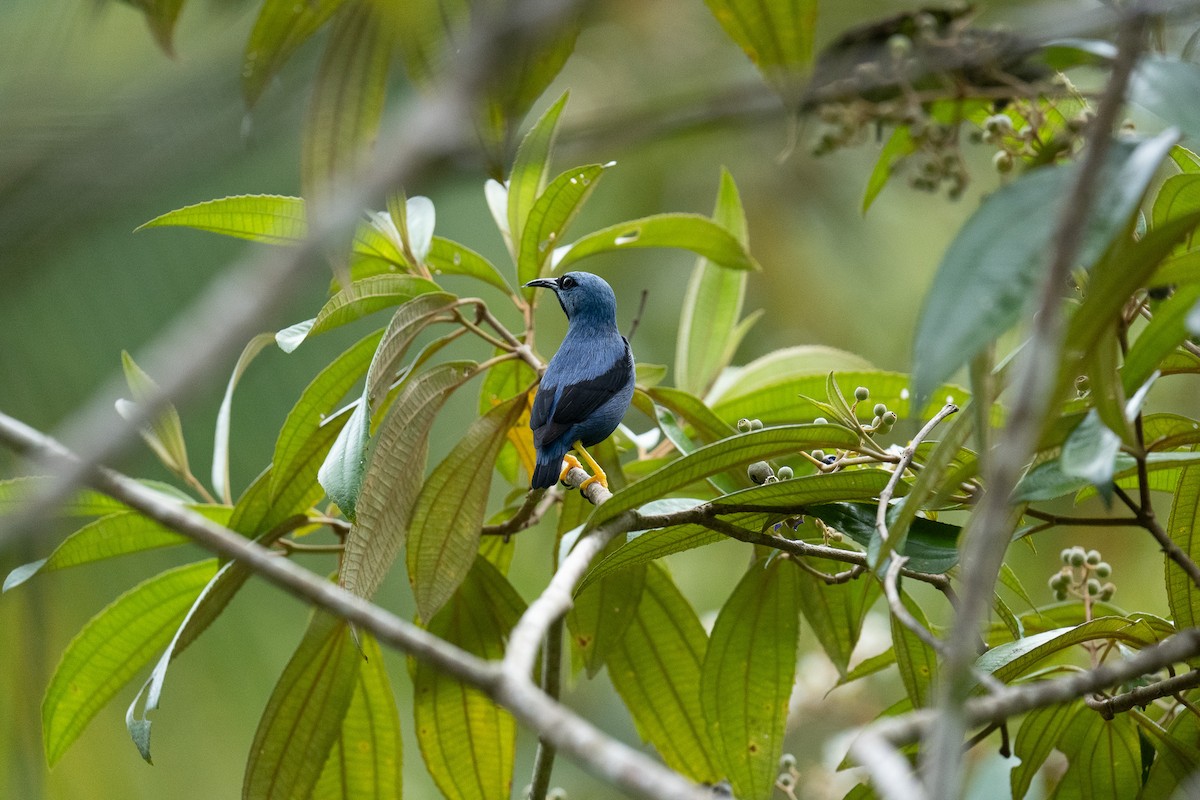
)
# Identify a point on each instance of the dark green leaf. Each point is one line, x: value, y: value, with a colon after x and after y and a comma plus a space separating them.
x: 112, y: 648
x: 303, y: 717
x: 655, y: 668
x: 468, y: 742
x: 931, y: 546
x: 747, y: 676
x: 444, y: 531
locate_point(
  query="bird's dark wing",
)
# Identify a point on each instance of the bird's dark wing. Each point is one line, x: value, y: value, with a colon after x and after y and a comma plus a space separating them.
x: 576, y: 399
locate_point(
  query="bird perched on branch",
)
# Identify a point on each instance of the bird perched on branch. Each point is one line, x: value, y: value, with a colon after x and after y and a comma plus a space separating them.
x: 587, y: 386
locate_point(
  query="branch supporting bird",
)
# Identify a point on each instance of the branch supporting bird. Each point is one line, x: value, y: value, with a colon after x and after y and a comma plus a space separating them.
x: 588, y: 385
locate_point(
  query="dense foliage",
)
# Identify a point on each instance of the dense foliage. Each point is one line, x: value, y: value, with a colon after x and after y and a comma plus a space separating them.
x: 850, y: 485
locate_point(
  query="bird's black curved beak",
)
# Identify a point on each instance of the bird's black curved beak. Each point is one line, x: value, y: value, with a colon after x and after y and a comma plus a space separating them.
x: 542, y: 283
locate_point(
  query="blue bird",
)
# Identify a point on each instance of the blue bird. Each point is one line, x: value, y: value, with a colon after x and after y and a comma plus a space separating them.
x: 587, y: 386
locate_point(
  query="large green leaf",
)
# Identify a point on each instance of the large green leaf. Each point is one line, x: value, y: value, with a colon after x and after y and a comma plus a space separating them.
x: 1167, y: 87
x: 531, y: 170
x: 747, y: 676
x: 1178, y: 754
x: 452, y: 258
x: 692, y: 232
x: 777, y: 36
x: 407, y: 323
x: 988, y: 277
x: 646, y: 546
x: 468, y: 742
x: 1182, y: 593
x: 364, y: 297
x: 858, y: 484
x: 110, y: 536
x: 15, y: 492
x: 448, y: 515
x: 303, y: 717
x: 268, y: 218
x: 1158, y: 339
x: 712, y: 304
x: 805, y: 360
x: 602, y: 613
x: 394, y: 475
x: 555, y: 209
x: 280, y: 28
x: 365, y: 761
x: 656, y: 669
x: 717, y: 457
x: 917, y: 660
x: 1041, y: 732
x: 835, y: 612
x: 347, y: 98
x: 1105, y: 758
x: 112, y: 648
x: 1012, y: 660
x: 692, y: 409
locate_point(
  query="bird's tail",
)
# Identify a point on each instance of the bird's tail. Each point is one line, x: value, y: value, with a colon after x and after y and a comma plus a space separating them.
x: 547, y: 469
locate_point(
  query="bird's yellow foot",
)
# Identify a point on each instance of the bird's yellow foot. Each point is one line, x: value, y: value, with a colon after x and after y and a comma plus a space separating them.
x: 598, y: 475
x: 570, y: 462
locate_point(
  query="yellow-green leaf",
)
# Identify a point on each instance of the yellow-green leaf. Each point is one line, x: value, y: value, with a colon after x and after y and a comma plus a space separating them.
x: 267, y: 218
x: 777, y: 36
x: 550, y: 216
x: 693, y: 232
x: 280, y: 28
x: 1182, y: 594
x: 113, y: 646
x: 747, y: 676
x: 165, y: 432
x: 602, y: 613
x: 917, y: 661
x: 531, y: 170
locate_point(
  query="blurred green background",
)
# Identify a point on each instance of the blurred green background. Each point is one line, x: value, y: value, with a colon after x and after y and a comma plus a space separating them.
x: 100, y: 131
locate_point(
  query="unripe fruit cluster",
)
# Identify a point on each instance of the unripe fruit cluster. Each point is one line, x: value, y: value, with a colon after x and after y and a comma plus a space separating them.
x: 1081, y: 576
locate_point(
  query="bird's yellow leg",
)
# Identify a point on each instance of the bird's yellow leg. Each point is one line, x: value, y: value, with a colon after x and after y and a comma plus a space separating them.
x: 570, y: 462
x: 598, y: 475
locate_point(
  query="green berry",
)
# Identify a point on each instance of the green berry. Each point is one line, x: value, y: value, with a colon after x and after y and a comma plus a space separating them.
x: 1078, y: 557
x: 880, y: 409
x: 1093, y: 587
x: 1065, y: 555
x: 861, y: 393
x: 1092, y: 557
x: 875, y: 423
x: 1058, y: 581
x: 890, y: 418
x: 784, y: 474
x: 819, y: 455
x: 1060, y: 595
x: 785, y: 780
x: 743, y: 424
x: 1107, y: 591
x: 998, y: 123
x: 756, y: 425
x: 787, y: 761
x: 1003, y: 161
x: 759, y: 471
x: 1103, y: 569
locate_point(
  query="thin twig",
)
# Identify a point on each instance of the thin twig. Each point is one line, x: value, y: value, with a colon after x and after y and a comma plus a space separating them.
x: 1168, y: 545
x: 906, y: 457
x: 537, y: 503
x: 543, y: 759
x: 1143, y: 695
x: 637, y: 318
x: 891, y: 590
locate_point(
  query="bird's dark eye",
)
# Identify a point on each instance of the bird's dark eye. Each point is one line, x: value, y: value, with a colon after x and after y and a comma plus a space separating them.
x: 568, y: 282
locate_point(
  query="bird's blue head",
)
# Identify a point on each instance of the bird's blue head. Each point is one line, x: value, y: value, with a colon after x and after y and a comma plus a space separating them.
x: 583, y: 297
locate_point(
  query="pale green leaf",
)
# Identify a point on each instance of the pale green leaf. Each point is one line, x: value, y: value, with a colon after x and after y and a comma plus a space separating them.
x: 448, y: 515
x: 304, y: 715
x: 341, y: 473
x: 531, y: 170
x: 394, y: 476
x: 1166, y: 87
x: 655, y: 668
x: 272, y: 219
x: 112, y: 648
x: 1009, y: 661
x: 467, y: 741
x: 776, y: 36
x: 220, y: 465
x: 790, y: 362
x: 165, y: 432
x: 835, y: 612
x: 161, y: 16
x: 712, y: 303
x: 692, y: 232
x: 747, y: 676
x: 365, y: 761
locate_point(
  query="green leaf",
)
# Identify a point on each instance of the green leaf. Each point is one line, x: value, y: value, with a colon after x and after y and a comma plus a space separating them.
x: 717, y: 457
x: 531, y: 170
x: 708, y: 425
x: 407, y: 323
x: 1160, y: 337
x: 165, y: 432
x: 364, y: 297
x: 1182, y: 594
x: 113, y: 646
x: 1012, y: 660
x: 602, y: 613
x: 987, y: 277
x: 268, y: 218
x: 342, y: 472
x: 712, y: 304
x: 835, y: 612
x: 1090, y: 452
x: 655, y: 668
x: 314, y: 408
x: 1041, y: 731
x: 451, y: 258
x: 303, y: 717
x: 931, y: 546
x: 220, y: 466
x: 365, y: 761
x: 777, y: 37
x: 1105, y: 758
x: 1165, y: 87
x: 160, y: 16
x: 551, y: 215
x: 280, y: 28
x: 347, y: 98
x: 917, y: 661
x: 899, y: 145
x: 1177, y: 755
x: 467, y: 741
x: 747, y: 676
x: 806, y: 360
x: 792, y: 494
x: 646, y: 546
x: 447, y: 517
x: 15, y: 492
x: 117, y: 534
x: 394, y: 476
x: 685, y: 231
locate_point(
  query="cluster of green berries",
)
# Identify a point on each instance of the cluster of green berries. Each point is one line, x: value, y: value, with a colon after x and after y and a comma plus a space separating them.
x: 789, y: 777
x: 1081, y: 575
x: 883, y: 419
x: 746, y: 425
x: 1013, y: 143
x: 760, y: 472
